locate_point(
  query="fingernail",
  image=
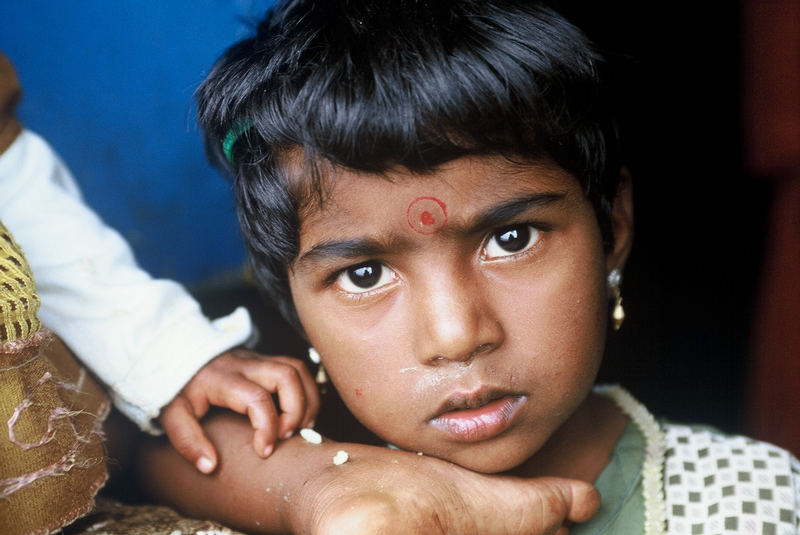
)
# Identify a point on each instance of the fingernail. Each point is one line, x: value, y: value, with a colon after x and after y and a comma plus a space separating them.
x: 205, y: 465
x: 288, y: 435
x: 268, y: 450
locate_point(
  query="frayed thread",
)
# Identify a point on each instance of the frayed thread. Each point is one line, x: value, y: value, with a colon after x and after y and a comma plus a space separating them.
x: 67, y: 462
x: 58, y: 413
x: 16, y: 346
x: 70, y: 459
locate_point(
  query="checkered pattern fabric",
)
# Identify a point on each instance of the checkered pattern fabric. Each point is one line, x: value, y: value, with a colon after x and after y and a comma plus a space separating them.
x: 720, y: 484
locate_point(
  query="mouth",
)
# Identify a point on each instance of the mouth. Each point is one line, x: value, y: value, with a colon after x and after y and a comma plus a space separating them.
x: 476, y: 417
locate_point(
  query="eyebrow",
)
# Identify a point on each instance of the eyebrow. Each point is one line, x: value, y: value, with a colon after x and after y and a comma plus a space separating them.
x: 366, y: 247
x: 342, y: 249
x: 500, y: 214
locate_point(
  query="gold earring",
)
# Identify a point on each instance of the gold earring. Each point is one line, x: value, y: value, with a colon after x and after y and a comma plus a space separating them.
x: 322, y: 377
x: 618, y: 314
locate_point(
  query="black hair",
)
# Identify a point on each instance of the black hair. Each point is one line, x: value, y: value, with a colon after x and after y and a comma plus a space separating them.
x: 373, y: 85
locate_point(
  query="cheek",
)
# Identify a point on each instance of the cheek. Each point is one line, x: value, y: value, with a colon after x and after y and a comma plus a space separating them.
x: 367, y: 367
x: 578, y: 315
x: 379, y: 397
x: 560, y: 319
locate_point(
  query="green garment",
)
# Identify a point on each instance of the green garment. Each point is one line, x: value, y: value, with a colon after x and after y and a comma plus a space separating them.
x: 620, y: 485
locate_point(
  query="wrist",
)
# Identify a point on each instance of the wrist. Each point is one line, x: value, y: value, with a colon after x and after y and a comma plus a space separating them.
x: 375, y: 491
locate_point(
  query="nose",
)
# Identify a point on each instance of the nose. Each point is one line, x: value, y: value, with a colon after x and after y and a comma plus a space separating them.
x: 454, y: 320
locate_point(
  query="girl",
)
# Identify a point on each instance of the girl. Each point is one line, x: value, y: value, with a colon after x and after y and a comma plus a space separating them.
x: 432, y: 193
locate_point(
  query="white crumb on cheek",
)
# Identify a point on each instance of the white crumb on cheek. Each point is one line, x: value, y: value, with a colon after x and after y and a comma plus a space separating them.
x: 311, y: 436
x: 341, y: 457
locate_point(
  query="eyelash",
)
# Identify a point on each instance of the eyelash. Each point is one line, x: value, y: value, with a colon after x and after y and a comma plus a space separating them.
x: 536, y: 234
x: 344, y: 274
x: 538, y: 229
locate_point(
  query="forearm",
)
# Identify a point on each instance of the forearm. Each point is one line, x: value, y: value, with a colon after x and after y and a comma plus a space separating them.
x: 283, y: 493
x: 299, y: 489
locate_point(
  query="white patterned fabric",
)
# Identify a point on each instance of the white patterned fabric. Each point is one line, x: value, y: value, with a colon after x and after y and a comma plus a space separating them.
x: 712, y: 483
x: 721, y: 484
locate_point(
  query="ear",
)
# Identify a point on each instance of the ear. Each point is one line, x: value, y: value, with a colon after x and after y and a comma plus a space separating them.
x: 621, y: 222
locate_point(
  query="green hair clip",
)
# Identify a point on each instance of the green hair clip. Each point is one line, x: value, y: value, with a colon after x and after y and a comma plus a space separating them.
x: 239, y: 127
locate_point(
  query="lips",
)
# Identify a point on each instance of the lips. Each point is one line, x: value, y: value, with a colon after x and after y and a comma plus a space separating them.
x: 477, y: 417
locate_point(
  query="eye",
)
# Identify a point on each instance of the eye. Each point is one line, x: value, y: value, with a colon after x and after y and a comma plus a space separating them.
x: 365, y: 277
x: 510, y: 240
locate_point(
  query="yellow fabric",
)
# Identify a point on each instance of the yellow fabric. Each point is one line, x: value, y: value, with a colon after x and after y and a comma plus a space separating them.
x: 51, y: 453
x: 52, y: 461
x: 19, y: 303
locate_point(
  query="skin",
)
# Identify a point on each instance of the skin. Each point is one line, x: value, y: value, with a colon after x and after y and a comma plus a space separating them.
x: 299, y: 490
x: 244, y: 382
x: 453, y: 316
x: 456, y: 316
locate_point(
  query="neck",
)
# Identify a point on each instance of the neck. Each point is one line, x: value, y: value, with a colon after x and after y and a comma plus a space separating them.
x: 582, y: 447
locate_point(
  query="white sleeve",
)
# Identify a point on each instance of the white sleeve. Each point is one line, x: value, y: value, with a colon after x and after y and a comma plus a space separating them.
x: 145, y: 338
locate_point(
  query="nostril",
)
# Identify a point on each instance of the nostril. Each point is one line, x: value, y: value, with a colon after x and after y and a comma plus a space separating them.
x: 482, y: 348
x: 465, y: 357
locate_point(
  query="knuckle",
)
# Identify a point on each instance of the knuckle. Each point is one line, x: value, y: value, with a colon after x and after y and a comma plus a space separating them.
x: 286, y: 373
x: 256, y: 396
x: 184, y: 440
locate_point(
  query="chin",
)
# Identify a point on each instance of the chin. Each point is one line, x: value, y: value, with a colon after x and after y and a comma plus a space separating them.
x: 492, y: 467
x: 489, y: 459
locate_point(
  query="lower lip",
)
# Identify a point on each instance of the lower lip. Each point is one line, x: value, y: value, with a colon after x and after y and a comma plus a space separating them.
x: 483, y: 423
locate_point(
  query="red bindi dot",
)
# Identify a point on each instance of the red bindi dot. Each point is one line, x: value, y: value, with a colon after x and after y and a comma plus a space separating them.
x: 358, y: 393
x: 426, y: 215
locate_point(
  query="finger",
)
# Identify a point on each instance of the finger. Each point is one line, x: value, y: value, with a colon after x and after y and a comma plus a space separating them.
x: 244, y: 359
x: 221, y: 383
x: 584, y: 501
x: 244, y: 396
x: 284, y: 379
x: 264, y: 419
x: 187, y: 436
x: 310, y: 390
x: 542, y: 506
x: 564, y: 501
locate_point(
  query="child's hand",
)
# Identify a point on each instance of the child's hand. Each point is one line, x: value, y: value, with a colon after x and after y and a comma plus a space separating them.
x: 299, y: 489
x: 440, y: 498
x: 244, y: 382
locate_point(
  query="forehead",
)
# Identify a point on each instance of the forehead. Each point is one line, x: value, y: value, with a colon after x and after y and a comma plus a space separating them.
x: 364, y: 214
x: 339, y: 193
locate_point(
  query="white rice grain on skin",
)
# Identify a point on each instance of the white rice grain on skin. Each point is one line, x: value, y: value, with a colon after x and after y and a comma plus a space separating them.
x: 341, y: 457
x: 311, y: 436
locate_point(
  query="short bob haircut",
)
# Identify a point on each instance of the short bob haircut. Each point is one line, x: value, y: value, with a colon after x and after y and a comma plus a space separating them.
x: 375, y: 85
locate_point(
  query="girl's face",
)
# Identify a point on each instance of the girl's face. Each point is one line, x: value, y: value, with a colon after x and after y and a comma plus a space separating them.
x: 462, y: 313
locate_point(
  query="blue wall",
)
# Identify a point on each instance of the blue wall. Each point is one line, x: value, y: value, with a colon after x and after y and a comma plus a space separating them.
x: 109, y: 84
